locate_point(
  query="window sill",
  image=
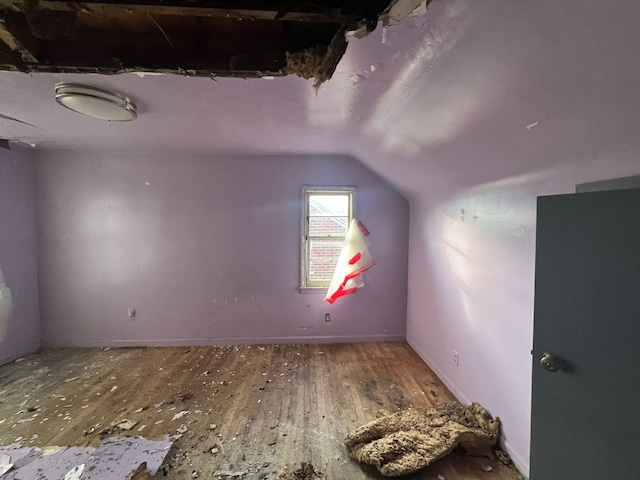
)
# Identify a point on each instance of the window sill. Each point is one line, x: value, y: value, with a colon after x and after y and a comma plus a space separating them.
x: 313, y: 289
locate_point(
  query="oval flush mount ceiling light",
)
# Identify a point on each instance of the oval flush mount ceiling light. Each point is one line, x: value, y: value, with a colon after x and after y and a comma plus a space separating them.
x: 94, y: 102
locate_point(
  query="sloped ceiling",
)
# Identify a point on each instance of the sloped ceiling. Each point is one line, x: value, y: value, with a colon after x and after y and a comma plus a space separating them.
x: 479, y: 90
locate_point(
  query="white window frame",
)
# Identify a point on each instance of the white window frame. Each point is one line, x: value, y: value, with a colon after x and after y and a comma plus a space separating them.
x: 307, y: 286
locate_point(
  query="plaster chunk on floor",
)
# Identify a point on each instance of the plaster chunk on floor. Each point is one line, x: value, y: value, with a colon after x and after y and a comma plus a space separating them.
x: 404, y: 442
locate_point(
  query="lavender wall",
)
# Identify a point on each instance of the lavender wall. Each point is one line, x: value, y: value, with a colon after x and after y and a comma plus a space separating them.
x: 206, y: 249
x: 496, y: 103
x: 19, y: 317
x: 471, y: 288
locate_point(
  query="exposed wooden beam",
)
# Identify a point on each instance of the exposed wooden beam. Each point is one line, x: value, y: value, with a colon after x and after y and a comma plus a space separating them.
x: 332, y: 15
x: 10, y: 60
x: 15, y: 33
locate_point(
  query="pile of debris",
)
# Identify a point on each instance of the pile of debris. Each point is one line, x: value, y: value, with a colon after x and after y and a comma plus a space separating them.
x: 305, y: 472
x: 404, y: 442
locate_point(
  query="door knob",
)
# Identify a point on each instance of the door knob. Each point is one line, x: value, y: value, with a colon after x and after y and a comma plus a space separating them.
x: 552, y: 362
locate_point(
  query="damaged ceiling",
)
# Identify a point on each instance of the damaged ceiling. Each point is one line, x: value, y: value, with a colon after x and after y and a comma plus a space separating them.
x: 195, y: 37
x: 504, y: 85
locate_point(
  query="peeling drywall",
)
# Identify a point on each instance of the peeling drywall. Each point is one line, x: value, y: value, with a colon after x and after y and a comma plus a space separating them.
x: 115, y: 458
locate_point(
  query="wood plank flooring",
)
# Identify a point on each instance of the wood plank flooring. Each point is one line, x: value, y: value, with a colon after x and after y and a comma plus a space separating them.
x: 272, y: 405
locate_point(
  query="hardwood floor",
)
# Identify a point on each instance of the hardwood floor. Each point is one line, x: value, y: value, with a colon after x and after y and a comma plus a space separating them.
x: 272, y: 405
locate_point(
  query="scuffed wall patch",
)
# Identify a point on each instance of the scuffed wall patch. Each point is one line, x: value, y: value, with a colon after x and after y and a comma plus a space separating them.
x: 6, y: 307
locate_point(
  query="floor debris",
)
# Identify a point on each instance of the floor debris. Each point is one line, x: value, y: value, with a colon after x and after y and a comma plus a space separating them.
x: 180, y: 415
x: 140, y: 473
x: 51, y: 464
x: 305, y: 472
x: 125, y: 424
x: 115, y: 458
x: 5, y: 463
x: 291, y: 424
x: 409, y: 440
x: 226, y: 475
x: 75, y: 473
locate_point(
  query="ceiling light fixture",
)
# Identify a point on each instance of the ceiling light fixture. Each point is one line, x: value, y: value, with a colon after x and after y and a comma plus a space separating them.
x: 94, y: 102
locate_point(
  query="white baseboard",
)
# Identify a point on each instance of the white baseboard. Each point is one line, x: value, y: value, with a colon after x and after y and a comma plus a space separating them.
x: 185, y: 342
x: 521, y: 465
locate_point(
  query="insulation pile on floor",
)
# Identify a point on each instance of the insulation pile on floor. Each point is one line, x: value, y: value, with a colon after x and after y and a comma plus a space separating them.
x: 407, y: 441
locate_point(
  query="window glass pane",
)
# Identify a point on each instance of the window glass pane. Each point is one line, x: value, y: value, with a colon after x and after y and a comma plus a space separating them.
x: 328, y: 226
x: 323, y: 256
x: 329, y: 205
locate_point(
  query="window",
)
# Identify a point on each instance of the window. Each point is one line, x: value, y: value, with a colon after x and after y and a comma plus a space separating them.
x: 326, y: 217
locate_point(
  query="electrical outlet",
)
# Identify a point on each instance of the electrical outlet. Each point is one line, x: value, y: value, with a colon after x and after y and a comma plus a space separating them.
x: 327, y: 317
x: 456, y: 358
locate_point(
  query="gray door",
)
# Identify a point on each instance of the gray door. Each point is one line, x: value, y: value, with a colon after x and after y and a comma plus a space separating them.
x: 586, y: 416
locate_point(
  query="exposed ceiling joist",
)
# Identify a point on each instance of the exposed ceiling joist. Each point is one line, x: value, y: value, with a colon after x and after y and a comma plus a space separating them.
x: 247, y: 38
x: 14, y: 32
x: 188, y: 9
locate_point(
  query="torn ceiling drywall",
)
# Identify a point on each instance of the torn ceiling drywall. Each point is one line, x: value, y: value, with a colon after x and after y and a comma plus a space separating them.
x: 222, y: 38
